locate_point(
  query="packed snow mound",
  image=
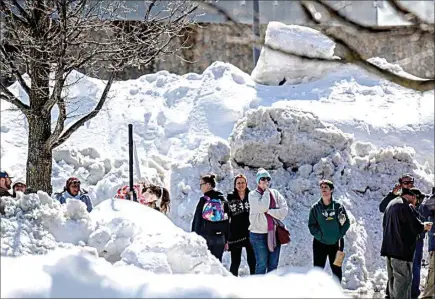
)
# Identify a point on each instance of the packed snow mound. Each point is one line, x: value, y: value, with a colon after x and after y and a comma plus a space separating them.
x: 77, y: 274
x: 36, y: 224
x: 273, y: 66
x: 273, y: 138
x: 128, y: 233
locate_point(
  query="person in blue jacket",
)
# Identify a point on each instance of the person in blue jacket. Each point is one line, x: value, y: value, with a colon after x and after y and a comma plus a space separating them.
x: 72, y: 191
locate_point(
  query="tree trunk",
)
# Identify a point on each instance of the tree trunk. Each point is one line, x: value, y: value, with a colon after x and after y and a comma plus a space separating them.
x: 39, y: 157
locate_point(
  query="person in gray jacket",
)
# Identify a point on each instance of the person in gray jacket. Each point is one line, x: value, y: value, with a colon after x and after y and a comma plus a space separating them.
x: 266, y: 205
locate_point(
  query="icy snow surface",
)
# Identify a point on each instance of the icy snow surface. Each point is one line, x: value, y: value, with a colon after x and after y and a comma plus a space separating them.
x: 345, y: 124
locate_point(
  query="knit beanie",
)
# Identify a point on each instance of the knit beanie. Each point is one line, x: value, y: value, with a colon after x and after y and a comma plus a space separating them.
x: 261, y: 173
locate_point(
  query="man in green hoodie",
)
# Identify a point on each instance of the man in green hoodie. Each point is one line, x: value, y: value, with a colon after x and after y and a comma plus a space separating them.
x: 328, y: 223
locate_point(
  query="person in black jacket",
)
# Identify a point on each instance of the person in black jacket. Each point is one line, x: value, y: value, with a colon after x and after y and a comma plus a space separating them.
x: 405, y: 181
x: 400, y: 230
x: 239, y: 224
x: 211, y: 217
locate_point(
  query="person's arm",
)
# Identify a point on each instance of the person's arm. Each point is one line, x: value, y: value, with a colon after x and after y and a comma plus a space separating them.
x: 197, y: 222
x: 346, y: 225
x: 88, y: 203
x: 281, y: 212
x: 313, y: 224
x: 227, y: 230
x: 384, y: 203
x: 416, y: 225
x: 258, y: 203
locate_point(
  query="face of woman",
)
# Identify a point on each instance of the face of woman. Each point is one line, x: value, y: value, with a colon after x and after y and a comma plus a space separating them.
x: 241, y: 184
x: 149, y: 197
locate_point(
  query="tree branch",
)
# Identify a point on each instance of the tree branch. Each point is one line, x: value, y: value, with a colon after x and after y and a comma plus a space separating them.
x: 8, y: 96
x: 353, y: 56
x: 15, y: 71
x: 411, y: 17
x: 86, y: 118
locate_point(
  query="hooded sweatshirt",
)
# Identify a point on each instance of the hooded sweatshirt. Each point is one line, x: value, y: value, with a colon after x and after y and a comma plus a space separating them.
x: 324, y: 224
x: 63, y: 197
x: 206, y: 228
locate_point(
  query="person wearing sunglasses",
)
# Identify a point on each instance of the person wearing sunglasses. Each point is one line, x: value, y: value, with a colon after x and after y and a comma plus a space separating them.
x: 72, y: 191
x: 266, y: 205
x: 328, y: 223
x: 405, y: 181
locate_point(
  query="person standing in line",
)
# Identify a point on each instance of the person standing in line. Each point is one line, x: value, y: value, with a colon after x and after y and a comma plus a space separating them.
x: 72, y: 190
x: 428, y: 211
x: 328, y: 223
x: 5, y: 186
x: 211, y: 217
x: 400, y: 230
x: 266, y: 205
x: 239, y: 224
x: 405, y: 181
x: 19, y: 185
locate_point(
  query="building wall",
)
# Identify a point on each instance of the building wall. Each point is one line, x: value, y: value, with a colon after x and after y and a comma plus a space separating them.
x: 222, y: 42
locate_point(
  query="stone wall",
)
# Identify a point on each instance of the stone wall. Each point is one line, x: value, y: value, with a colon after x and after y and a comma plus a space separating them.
x: 212, y: 42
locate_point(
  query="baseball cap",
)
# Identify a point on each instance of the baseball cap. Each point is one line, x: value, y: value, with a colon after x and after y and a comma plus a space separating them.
x: 4, y: 174
x: 413, y: 192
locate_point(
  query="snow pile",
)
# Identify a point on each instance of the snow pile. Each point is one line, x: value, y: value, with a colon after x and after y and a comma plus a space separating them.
x: 273, y: 66
x: 74, y: 274
x: 36, y: 224
x: 131, y: 234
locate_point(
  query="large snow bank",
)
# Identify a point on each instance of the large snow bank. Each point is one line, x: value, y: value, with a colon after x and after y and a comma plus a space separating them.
x: 75, y: 274
x: 273, y: 66
x: 129, y: 233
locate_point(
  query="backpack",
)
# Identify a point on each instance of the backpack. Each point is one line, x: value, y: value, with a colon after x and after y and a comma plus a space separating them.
x: 213, y: 210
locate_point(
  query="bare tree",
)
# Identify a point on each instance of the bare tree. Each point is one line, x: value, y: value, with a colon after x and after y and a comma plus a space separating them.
x: 320, y: 12
x: 52, y: 38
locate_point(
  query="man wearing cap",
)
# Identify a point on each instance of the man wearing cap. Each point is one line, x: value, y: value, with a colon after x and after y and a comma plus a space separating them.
x: 5, y: 186
x: 401, y: 226
x: 428, y: 211
x: 72, y: 191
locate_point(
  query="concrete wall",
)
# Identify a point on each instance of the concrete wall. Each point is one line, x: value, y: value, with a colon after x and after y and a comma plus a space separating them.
x: 212, y: 42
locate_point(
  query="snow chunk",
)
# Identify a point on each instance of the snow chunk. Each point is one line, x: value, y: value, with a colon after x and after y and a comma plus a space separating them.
x: 276, y: 137
x: 128, y: 233
x: 274, y: 66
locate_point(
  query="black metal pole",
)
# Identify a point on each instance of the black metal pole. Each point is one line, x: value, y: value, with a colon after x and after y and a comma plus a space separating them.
x: 130, y: 161
x: 256, y: 29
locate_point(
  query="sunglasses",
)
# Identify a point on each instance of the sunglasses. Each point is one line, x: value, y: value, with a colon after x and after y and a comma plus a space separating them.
x: 407, y: 182
x: 201, y: 184
x: 20, y: 186
x: 75, y: 183
x: 265, y: 179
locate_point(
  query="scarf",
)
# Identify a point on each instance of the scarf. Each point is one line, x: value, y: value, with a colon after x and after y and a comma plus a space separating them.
x: 271, y: 228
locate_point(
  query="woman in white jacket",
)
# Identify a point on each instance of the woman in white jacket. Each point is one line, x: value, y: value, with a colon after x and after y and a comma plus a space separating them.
x: 266, y: 205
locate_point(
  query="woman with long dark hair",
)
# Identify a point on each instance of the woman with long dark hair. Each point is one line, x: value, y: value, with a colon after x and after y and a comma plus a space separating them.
x: 239, y: 225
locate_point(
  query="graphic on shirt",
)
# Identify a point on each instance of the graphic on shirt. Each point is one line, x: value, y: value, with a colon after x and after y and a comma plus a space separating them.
x: 329, y: 213
x: 213, y: 210
x: 237, y: 207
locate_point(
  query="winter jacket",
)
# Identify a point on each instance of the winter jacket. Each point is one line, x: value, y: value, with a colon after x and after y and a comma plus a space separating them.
x: 64, y: 196
x: 206, y: 228
x: 3, y: 193
x: 430, y: 217
x: 239, y: 219
x: 259, y: 205
x: 386, y: 200
x: 401, y: 228
x: 324, y: 224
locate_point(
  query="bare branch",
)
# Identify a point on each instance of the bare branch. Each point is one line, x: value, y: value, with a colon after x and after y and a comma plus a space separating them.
x: 411, y: 17
x: 150, y: 7
x: 86, y: 118
x: 353, y: 56
x: 8, y: 96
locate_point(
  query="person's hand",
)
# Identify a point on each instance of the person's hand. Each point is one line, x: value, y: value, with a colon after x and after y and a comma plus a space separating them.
x: 396, y: 189
x: 264, y: 185
x: 427, y: 226
x: 226, y: 246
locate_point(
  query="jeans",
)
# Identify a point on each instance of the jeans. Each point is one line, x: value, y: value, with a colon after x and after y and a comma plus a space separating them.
x: 236, y: 257
x: 216, y: 245
x: 322, y: 251
x: 399, y: 278
x: 429, y: 289
x: 416, y: 268
x: 266, y: 261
